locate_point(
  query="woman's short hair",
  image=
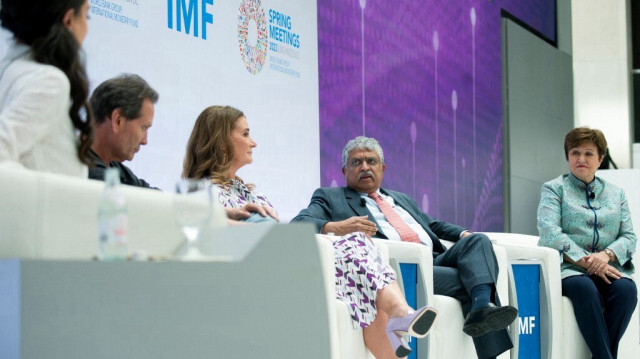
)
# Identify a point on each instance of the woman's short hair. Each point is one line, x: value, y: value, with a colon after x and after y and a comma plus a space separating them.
x: 209, y: 150
x: 582, y: 135
x: 361, y: 143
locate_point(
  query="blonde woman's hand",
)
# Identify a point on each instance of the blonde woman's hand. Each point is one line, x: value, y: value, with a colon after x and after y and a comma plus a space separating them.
x: 271, y: 212
x: 264, y: 211
x: 237, y: 214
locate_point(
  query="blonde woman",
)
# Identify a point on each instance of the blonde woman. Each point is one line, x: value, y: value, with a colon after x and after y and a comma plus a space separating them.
x: 220, y: 144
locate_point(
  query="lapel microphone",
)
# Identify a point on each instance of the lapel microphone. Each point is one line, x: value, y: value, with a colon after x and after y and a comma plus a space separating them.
x: 592, y: 195
x: 363, y: 202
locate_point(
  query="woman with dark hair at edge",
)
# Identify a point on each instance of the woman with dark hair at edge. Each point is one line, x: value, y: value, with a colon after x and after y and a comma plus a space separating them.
x: 44, y: 87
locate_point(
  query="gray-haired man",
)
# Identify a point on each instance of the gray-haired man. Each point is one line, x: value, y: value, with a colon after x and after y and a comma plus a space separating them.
x: 467, y: 271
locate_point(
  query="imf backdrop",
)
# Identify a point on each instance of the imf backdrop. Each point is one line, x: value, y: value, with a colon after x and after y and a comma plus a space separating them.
x: 424, y: 78
x: 258, y: 56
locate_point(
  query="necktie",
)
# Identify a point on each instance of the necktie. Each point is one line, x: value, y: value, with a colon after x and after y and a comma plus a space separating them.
x: 406, y: 233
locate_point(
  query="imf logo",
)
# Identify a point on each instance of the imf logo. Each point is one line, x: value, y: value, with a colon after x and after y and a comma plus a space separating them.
x: 189, y: 13
x: 251, y: 17
x: 526, y: 324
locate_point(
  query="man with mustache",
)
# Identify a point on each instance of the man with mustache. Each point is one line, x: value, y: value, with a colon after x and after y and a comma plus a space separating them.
x: 123, y: 113
x: 467, y: 271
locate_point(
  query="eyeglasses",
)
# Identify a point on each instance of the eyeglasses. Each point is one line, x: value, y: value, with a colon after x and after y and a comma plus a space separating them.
x: 357, y: 162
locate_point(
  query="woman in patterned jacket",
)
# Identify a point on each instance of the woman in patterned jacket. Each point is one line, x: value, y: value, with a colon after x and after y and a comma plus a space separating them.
x: 219, y: 145
x: 587, y: 220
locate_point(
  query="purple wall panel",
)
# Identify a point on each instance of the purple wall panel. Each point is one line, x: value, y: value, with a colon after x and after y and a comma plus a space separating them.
x: 424, y: 78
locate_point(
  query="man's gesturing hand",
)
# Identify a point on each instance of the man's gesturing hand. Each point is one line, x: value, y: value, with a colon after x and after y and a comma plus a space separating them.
x: 353, y: 224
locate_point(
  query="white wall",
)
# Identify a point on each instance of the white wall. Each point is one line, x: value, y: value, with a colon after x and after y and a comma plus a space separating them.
x: 601, y: 72
x: 537, y: 83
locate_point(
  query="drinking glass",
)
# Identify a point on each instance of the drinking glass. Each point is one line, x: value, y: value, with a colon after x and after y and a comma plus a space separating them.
x: 193, y: 205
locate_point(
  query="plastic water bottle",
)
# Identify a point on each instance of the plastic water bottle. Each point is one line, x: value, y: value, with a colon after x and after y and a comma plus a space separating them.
x: 112, y: 219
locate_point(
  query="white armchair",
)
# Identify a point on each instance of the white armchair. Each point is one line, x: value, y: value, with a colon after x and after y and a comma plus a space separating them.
x: 560, y: 335
x: 420, y: 255
x: 338, y: 319
x: 346, y: 342
x: 446, y: 340
x: 451, y: 337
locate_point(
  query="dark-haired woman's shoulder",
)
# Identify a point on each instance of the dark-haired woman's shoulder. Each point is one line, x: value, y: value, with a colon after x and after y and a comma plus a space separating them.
x: 34, y: 111
x: 46, y: 81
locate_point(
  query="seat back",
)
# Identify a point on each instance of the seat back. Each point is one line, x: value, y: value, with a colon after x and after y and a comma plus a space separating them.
x: 52, y: 216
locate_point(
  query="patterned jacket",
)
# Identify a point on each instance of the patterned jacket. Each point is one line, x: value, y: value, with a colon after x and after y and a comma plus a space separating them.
x: 578, y: 219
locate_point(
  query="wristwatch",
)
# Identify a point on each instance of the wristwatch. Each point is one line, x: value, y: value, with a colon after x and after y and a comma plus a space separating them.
x: 609, y: 252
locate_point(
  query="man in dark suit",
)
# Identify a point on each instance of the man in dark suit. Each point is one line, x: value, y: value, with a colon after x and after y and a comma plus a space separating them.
x: 467, y: 271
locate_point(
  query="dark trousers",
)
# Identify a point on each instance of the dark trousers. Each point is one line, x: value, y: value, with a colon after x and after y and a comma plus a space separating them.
x: 602, y: 310
x: 469, y: 262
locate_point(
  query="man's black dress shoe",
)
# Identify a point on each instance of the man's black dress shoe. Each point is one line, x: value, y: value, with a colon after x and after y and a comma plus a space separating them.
x: 481, y: 321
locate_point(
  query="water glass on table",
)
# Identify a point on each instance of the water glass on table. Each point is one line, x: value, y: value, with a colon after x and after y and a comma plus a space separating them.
x: 193, y: 206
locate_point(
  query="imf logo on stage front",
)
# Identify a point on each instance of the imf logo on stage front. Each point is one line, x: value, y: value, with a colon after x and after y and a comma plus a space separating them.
x: 190, y: 14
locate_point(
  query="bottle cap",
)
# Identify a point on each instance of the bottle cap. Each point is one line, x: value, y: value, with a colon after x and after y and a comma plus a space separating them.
x: 112, y: 176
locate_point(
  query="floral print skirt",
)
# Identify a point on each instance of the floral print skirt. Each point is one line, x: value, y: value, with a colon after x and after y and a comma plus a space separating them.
x: 360, y: 273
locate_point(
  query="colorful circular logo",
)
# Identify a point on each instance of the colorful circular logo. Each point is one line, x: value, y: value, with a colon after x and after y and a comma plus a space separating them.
x: 253, y: 56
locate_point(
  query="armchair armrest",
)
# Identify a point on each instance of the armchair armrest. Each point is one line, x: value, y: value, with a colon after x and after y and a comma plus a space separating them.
x: 421, y: 255
x: 525, y: 247
x: 502, y: 283
x: 329, y: 272
x: 415, y: 253
x: 504, y: 288
x: 346, y: 342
